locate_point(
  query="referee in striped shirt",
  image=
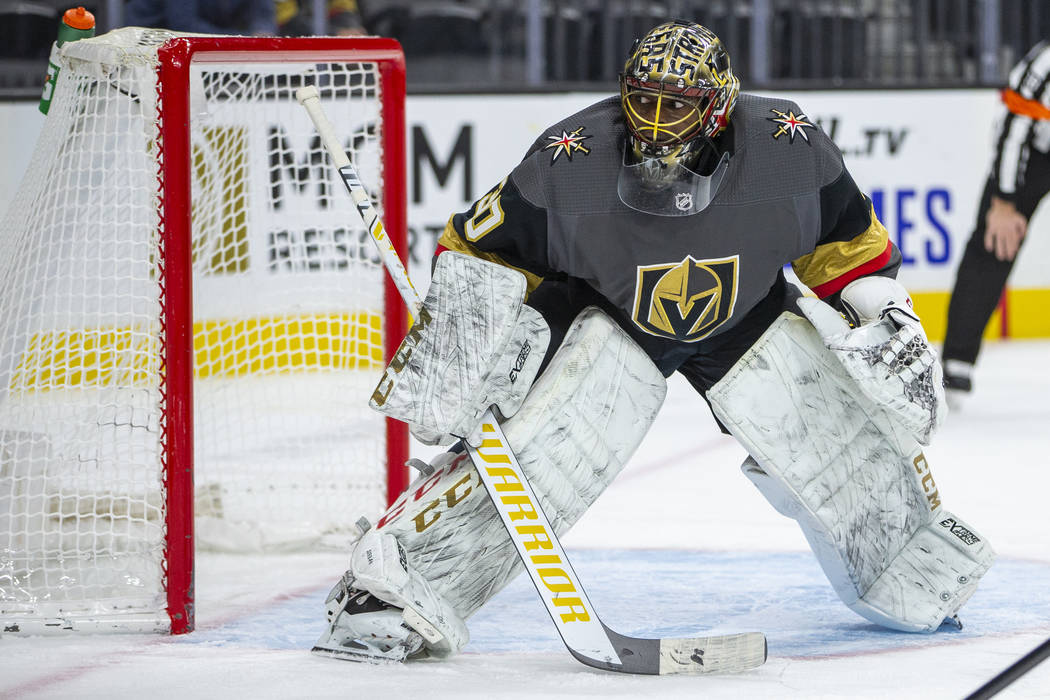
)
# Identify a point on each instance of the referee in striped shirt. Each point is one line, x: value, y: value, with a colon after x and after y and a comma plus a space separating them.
x: 1019, y: 178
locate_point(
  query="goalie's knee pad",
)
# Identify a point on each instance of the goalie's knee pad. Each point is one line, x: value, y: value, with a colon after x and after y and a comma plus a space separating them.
x: 859, y: 486
x: 578, y: 426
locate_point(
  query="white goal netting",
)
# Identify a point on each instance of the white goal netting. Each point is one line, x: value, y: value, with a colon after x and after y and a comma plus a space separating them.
x: 287, y: 327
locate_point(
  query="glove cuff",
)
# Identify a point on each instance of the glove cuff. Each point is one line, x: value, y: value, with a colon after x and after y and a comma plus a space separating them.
x: 871, y: 299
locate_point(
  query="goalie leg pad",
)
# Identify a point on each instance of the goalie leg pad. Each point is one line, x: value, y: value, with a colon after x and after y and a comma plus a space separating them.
x: 945, y: 559
x: 578, y: 426
x: 858, y: 484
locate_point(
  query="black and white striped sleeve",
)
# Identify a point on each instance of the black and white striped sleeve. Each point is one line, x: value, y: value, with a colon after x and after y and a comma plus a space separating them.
x: 1026, y: 99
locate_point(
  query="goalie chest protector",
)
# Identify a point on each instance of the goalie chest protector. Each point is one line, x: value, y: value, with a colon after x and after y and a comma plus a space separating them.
x: 679, y: 279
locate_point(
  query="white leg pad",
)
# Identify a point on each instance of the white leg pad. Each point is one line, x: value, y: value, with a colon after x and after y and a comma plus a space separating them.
x: 578, y: 426
x: 859, y: 487
x: 944, y: 559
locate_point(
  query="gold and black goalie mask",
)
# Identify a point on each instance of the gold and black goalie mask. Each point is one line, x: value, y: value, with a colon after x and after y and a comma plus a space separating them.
x: 677, y: 91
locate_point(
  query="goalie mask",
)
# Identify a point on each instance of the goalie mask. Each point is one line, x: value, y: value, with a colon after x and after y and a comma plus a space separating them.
x: 677, y: 91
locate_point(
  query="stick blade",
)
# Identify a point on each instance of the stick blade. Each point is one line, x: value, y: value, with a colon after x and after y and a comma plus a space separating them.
x: 730, y: 653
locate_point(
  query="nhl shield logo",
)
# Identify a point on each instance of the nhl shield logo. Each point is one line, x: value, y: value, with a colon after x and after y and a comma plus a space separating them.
x: 684, y: 201
x: 686, y: 300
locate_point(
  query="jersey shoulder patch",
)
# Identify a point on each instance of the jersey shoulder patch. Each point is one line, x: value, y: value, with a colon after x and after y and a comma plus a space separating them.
x: 790, y: 124
x: 567, y: 143
x: 779, y: 120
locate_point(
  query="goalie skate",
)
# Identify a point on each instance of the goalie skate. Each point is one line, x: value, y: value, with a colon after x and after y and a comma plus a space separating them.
x: 362, y: 627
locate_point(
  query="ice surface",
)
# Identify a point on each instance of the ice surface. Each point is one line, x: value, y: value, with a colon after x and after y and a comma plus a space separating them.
x: 680, y: 544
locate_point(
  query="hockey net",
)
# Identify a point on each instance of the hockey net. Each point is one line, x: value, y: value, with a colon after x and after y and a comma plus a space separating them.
x: 121, y: 412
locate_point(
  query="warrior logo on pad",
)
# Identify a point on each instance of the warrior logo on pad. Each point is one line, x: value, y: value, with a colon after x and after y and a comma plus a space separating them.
x: 685, y: 300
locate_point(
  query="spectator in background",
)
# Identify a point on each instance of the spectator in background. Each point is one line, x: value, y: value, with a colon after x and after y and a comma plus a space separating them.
x: 294, y: 18
x: 1019, y: 179
x: 254, y: 17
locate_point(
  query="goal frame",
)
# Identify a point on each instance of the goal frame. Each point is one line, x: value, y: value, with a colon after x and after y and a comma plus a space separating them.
x: 173, y: 92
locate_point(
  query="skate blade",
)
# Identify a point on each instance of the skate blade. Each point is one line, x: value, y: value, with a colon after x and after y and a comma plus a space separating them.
x: 363, y: 655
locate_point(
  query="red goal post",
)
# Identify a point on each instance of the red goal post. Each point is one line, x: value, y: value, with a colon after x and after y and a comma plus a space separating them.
x: 195, y: 297
x: 175, y: 58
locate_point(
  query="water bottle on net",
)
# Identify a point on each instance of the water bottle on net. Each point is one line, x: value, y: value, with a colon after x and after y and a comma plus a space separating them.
x: 76, y: 23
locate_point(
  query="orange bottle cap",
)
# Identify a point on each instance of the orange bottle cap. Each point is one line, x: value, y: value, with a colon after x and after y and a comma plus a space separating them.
x: 79, y: 18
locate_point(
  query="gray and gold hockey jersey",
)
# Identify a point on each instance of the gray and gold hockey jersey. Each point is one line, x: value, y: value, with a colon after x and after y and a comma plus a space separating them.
x: 785, y: 198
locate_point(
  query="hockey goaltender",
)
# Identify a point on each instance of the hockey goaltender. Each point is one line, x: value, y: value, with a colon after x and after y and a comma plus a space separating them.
x: 646, y: 235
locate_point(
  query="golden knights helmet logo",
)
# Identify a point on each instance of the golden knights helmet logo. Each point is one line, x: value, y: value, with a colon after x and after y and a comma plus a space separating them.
x: 686, y: 300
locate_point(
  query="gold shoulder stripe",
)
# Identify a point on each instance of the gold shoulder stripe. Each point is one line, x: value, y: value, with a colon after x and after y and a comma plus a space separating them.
x: 451, y: 240
x: 831, y: 260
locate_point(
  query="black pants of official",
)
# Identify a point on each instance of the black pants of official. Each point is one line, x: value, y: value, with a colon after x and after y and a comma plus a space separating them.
x: 981, y: 277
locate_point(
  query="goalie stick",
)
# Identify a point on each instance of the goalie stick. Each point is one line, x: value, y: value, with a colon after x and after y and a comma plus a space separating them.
x: 1012, y: 672
x: 587, y: 638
